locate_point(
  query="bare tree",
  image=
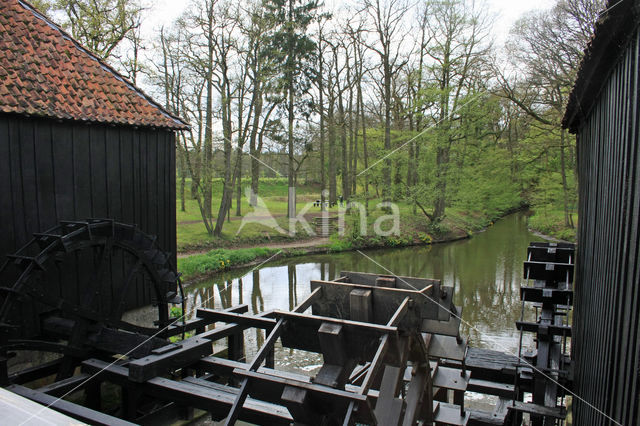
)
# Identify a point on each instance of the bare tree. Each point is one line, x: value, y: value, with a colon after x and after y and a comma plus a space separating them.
x: 388, y: 18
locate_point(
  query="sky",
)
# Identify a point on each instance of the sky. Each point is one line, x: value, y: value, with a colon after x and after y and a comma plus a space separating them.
x: 506, y: 12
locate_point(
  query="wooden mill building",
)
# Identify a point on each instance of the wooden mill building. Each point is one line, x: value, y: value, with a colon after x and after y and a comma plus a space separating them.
x: 604, y: 113
x: 77, y: 140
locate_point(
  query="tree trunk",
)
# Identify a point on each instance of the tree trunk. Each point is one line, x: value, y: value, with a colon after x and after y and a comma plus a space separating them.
x: 239, y: 186
x: 386, y: 170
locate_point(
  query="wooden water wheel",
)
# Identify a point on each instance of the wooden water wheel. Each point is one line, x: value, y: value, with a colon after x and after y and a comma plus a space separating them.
x: 67, y: 292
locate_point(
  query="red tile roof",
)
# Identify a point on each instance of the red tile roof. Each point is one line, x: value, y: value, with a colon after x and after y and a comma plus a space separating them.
x: 44, y: 72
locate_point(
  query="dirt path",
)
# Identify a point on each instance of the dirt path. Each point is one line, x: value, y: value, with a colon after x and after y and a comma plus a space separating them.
x: 314, y: 242
x: 309, y: 217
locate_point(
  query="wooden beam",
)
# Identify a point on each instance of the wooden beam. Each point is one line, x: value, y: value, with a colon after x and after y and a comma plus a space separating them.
x: 230, y: 317
x: 73, y: 410
x: 184, y: 393
x: 187, y: 352
x: 266, y: 348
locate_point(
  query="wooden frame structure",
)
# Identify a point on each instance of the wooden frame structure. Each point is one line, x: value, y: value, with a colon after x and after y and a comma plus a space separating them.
x: 391, y: 349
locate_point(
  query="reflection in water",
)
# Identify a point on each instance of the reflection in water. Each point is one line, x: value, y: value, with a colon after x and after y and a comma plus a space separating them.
x: 485, y: 270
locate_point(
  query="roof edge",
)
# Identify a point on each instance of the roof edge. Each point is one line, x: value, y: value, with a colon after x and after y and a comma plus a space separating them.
x: 180, y: 123
x: 612, y: 34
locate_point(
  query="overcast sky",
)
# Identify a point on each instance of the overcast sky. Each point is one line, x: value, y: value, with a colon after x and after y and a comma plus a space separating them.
x: 506, y: 12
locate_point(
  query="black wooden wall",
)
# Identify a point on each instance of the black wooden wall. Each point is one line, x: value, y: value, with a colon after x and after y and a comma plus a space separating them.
x: 606, y: 344
x: 52, y: 171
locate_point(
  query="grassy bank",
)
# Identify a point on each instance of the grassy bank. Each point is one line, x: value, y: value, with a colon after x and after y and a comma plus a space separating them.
x: 221, y: 259
x: 414, y: 230
x: 361, y: 226
x: 192, y: 234
x: 550, y: 221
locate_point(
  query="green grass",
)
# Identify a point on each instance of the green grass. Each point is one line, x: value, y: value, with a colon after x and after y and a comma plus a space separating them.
x: 550, y: 221
x: 220, y: 259
x: 192, y: 233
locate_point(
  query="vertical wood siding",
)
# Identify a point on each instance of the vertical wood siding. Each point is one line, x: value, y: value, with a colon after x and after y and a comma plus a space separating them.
x: 606, y: 345
x: 52, y: 171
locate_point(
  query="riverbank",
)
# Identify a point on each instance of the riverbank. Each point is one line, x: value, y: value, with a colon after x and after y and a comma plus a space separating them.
x: 550, y: 222
x: 414, y: 231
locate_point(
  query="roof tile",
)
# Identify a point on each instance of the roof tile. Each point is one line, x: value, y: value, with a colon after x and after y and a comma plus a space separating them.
x: 46, y: 73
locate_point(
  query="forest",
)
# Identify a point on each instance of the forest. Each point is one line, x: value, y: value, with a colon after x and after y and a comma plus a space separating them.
x: 377, y: 101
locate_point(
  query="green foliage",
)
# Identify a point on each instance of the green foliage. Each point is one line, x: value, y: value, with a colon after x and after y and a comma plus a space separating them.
x: 220, y: 259
x: 175, y: 312
x: 338, y: 244
x: 550, y: 221
x: 424, y: 237
x: 486, y: 185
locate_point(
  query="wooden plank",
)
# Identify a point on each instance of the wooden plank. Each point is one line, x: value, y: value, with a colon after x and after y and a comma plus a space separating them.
x: 28, y: 172
x: 188, y: 352
x: 224, y: 367
x: 269, y: 388
x: 73, y: 410
x: 451, y: 378
x: 61, y: 387
x: 491, y: 388
x: 449, y: 414
x: 250, y: 402
x: 335, y: 301
x: 546, y: 295
x: 419, y: 394
x: 8, y: 189
x: 447, y: 347
x: 171, y: 197
x: 44, y: 167
x: 387, y: 409
x: 406, y: 283
x: 194, y: 395
x: 451, y: 327
x: 301, y: 330
x: 230, y: 317
x: 551, y: 254
x: 491, y: 365
x: 547, y: 271
x: 544, y: 329
x: 539, y: 410
x: 98, y: 179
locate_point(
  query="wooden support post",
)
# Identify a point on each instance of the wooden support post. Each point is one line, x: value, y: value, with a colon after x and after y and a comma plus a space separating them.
x: 235, y: 344
x: 337, y: 364
x: 130, y: 400
x: 361, y: 305
x: 93, y: 394
x: 297, y: 402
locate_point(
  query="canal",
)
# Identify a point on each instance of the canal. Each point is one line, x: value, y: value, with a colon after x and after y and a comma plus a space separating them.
x: 486, y: 271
